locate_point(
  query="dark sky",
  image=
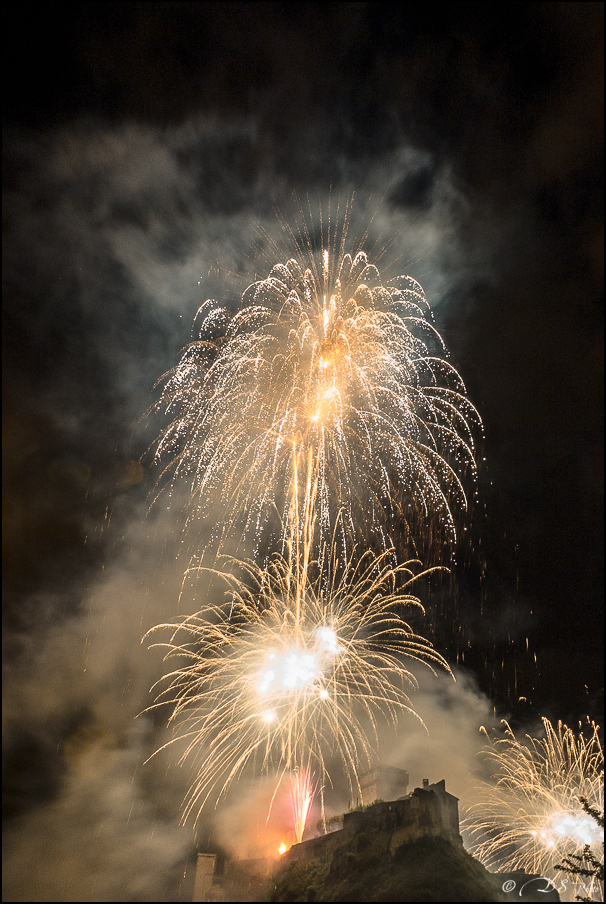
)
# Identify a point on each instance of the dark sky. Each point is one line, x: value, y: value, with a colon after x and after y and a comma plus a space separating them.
x: 144, y: 146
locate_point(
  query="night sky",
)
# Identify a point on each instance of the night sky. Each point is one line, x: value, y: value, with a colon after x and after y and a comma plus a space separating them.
x: 147, y: 148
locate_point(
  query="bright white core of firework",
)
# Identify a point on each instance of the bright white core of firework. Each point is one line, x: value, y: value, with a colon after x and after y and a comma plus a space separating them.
x: 298, y: 668
x: 582, y: 828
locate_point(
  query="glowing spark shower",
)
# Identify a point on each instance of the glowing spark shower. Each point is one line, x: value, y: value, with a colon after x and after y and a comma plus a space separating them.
x: 283, y: 674
x: 325, y: 392
x: 531, y: 816
x: 302, y: 793
x: 320, y: 425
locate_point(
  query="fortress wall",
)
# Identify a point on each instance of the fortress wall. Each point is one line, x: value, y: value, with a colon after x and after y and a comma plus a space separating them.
x: 321, y: 848
x: 427, y: 813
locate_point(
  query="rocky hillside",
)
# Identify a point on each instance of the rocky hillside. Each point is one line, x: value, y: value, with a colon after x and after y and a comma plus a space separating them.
x: 364, y: 870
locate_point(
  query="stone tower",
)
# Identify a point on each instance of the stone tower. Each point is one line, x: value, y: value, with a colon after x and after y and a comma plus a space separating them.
x: 383, y: 783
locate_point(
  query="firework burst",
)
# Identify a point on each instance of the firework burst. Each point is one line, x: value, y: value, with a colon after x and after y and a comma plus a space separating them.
x: 326, y: 392
x: 531, y: 816
x: 285, y: 672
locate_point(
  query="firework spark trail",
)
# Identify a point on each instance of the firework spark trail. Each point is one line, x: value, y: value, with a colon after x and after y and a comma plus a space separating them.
x: 282, y: 675
x: 325, y: 384
x: 302, y: 792
x: 532, y: 816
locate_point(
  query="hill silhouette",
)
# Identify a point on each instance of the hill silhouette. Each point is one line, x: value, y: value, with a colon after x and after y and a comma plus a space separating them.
x: 430, y: 869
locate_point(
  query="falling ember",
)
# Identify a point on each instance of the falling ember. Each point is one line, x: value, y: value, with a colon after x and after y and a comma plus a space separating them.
x: 302, y: 793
